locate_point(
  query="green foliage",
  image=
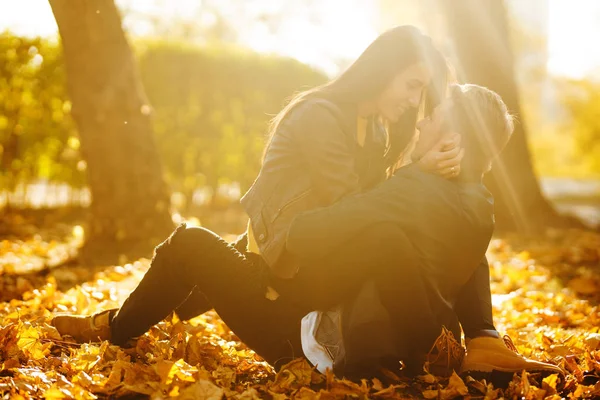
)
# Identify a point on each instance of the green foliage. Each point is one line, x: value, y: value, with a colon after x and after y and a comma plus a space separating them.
x: 35, y: 125
x: 211, y: 108
x: 583, y: 104
x: 561, y: 129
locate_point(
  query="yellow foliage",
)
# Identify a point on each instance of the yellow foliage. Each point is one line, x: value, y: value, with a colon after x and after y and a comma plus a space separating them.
x: 543, y: 299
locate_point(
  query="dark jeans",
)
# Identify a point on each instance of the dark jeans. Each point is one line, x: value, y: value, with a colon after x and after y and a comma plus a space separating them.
x: 194, y: 270
x: 367, y: 332
x: 474, y: 304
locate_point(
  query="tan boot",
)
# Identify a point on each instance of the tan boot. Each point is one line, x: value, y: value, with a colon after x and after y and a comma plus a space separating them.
x: 487, y: 354
x: 84, y: 328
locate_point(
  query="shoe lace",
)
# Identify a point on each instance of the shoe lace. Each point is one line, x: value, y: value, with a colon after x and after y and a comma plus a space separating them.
x: 446, y: 351
x: 510, y: 344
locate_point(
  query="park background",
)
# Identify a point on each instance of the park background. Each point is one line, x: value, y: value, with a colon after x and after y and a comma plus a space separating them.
x: 157, y: 111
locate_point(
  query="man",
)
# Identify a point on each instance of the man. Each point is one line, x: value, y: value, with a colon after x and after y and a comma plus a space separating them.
x: 449, y: 224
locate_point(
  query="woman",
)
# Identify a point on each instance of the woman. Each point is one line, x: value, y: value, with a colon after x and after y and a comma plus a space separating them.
x: 327, y: 143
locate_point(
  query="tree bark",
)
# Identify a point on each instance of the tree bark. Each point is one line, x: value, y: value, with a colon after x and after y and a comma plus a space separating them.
x: 479, y: 33
x: 130, y: 200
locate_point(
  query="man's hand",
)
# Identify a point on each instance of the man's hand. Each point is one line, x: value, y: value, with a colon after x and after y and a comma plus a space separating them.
x: 444, y: 157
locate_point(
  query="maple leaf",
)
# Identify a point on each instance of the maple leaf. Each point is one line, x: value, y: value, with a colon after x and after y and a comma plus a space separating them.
x: 168, y: 370
x: 549, y: 384
x: 344, y: 387
x: 292, y: 375
x: 202, y: 390
x: 304, y: 393
x: 202, y: 358
x: 456, y: 388
x: 457, y: 385
x: 29, y: 342
x: 427, y: 378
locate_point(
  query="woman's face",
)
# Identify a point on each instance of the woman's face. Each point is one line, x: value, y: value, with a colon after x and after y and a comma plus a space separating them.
x: 404, y: 91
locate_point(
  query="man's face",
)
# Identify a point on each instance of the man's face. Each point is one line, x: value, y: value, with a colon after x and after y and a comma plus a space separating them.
x: 431, y: 128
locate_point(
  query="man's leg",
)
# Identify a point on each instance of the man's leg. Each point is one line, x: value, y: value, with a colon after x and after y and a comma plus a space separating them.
x: 381, y: 252
x: 474, y: 304
x: 368, y: 336
x: 486, y: 350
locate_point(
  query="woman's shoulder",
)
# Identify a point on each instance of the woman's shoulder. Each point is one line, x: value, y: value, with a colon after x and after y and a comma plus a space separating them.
x: 315, y: 109
x: 318, y: 116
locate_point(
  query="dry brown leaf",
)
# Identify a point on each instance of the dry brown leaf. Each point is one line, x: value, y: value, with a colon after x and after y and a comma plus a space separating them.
x: 431, y: 394
x: 201, y: 390
x: 456, y: 386
x: 203, y: 359
x: 293, y: 375
x: 304, y: 393
x: 584, y: 286
x: 549, y: 384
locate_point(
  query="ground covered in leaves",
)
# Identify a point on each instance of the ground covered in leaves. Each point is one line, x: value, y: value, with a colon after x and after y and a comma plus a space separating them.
x: 546, y: 294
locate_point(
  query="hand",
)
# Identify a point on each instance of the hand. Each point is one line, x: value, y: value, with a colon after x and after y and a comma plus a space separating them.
x: 444, y: 157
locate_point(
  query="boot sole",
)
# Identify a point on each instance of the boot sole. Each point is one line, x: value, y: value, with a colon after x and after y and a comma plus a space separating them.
x: 487, y: 369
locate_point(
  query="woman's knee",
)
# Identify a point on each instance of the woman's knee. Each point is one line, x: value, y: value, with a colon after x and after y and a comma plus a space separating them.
x: 186, y: 237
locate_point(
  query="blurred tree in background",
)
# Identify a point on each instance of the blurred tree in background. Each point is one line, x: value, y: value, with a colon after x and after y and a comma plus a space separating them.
x: 211, y: 102
x: 479, y: 29
x: 130, y: 200
x: 212, y: 107
x: 582, y: 101
x: 210, y: 110
x: 37, y: 136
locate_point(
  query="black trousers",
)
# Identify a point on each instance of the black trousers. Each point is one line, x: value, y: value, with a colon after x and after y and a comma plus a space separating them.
x: 194, y: 270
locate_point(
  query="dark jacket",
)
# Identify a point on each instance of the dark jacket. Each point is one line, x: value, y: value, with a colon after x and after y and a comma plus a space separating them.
x: 449, y: 224
x: 312, y: 161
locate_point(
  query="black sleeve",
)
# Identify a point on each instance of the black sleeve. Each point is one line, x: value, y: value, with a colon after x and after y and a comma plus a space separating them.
x: 320, y: 230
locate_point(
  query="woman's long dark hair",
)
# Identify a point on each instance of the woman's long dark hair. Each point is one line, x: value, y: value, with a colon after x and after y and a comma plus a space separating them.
x: 393, y: 51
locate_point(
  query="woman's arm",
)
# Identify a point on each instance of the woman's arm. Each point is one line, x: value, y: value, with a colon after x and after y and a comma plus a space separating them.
x: 325, y: 140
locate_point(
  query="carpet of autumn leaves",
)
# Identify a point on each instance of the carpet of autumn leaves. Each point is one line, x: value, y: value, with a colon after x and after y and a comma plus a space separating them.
x: 546, y: 293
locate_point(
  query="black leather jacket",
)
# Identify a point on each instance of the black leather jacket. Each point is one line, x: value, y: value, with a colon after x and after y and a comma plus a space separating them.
x: 312, y: 161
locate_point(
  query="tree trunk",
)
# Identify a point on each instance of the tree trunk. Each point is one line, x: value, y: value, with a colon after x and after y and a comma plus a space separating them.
x: 480, y: 37
x: 130, y: 200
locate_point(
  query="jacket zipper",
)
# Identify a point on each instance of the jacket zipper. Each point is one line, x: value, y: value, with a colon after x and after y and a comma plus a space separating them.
x: 289, y: 203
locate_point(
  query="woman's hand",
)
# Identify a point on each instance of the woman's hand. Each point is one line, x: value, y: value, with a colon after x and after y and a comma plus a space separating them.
x: 444, y: 157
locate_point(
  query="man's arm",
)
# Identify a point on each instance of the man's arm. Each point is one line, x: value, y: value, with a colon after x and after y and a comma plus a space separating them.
x: 398, y: 200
